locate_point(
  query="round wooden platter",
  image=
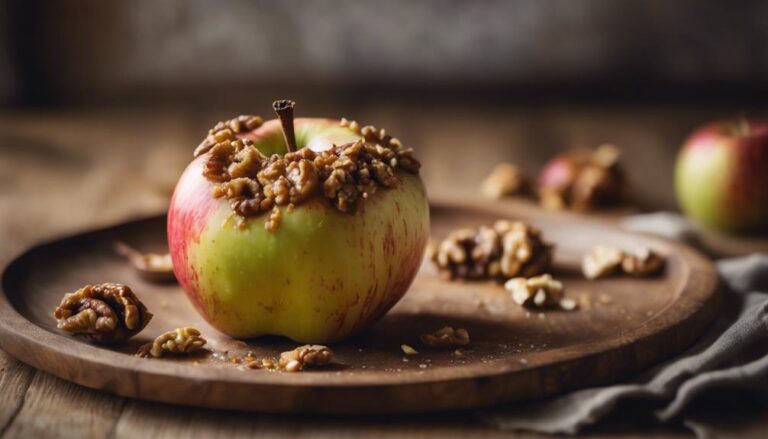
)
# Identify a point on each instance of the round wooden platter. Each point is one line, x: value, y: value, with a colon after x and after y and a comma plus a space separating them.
x: 624, y: 325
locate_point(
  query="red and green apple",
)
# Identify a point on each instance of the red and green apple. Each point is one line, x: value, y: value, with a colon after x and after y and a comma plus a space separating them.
x: 721, y: 175
x: 323, y: 275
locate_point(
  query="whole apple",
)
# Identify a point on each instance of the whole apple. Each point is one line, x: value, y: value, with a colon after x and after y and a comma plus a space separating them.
x: 582, y: 180
x: 315, y: 269
x: 721, y: 175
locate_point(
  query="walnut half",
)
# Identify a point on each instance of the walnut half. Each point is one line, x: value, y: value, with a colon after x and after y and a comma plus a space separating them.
x: 103, y: 313
x: 180, y: 341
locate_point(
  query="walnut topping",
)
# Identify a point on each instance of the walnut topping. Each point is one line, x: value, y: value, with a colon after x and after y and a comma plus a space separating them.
x: 254, y: 183
x: 642, y: 262
x: 586, y: 181
x: 274, y: 220
x: 226, y: 130
x: 601, y: 262
x: 305, y: 356
x: 446, y: 336
x: 505, y: 180
x: 180, y: 341
x: 103, y: 313
x: 506, y: 250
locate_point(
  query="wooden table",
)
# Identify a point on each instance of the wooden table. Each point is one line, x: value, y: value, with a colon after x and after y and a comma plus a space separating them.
x: 66, y: 170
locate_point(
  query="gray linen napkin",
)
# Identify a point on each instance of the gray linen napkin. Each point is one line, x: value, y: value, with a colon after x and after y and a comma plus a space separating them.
x: 732, y: 355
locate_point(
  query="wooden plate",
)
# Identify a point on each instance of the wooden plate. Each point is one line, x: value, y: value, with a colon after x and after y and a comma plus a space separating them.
x: 628, y: 325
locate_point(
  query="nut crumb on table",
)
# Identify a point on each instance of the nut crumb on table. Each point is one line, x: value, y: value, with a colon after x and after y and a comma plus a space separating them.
x: 104, y: 313
x: 180, y: 341
x: 446, y: 336
x: 306, y: 356
x: 408, y: 350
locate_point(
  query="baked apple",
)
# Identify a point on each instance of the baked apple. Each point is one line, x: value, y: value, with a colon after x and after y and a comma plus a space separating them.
x: 309, y: 228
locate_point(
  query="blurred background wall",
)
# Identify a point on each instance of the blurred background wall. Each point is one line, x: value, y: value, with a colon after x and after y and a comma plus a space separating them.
x: 54, y: 52
x: 128, y: 88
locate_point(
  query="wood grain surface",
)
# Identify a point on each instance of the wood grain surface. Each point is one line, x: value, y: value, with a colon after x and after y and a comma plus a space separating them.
x: 93, y: 167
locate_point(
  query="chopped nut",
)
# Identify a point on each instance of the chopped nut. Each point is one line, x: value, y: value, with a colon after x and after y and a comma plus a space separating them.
x: 180, y: 341
x: 642, y: 262
x: 407, y: 350
x: 505, y: 180
x: 346, y: 174
x: 103, y: 313
x: 602, y: 261
x: 154, y: 267
x: 446, y: 336
x: 537, y: 292
x: 273, y: 222
x: 506, y: 250
x: 305, y: 356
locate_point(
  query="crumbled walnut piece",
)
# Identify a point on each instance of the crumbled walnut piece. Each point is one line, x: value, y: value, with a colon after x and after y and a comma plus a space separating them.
x: 226, y: 130
x: 345, y: 174
x: 180, y: 341
x: 642, y: 262
x: 408, y: 350
x: 601, y: 261
x: 506, y: 250
x: 537, y: 292
x: 274, y: 220
x: 504, y: 180
x: 219, y: 159
x: 305, y: 356
x: 604, y: 260
x: 103, y: 313
x: 587, y: 181
x: 446, y: 336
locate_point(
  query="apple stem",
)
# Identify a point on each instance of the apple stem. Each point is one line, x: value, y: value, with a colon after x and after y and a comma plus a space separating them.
x: 284, y: 110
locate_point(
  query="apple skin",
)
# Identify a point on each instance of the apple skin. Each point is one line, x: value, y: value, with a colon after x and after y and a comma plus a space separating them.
x: 721, y: 176
x: 323, y: 275
x: 558, y: 173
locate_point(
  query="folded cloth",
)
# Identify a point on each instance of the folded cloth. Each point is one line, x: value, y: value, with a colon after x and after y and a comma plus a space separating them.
x: 732, y: 355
